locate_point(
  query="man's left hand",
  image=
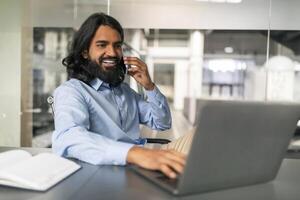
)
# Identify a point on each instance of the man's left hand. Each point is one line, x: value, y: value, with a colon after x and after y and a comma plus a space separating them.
x: 139, y: 72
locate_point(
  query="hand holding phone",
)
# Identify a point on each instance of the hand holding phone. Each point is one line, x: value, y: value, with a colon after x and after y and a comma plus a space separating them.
x: 139, y: 71
x: 123, y: 66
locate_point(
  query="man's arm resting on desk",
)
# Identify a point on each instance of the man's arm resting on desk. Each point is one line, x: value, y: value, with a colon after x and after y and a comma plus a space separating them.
x: 90, y: 147
x: 169, y: 162
x: 72, y: 137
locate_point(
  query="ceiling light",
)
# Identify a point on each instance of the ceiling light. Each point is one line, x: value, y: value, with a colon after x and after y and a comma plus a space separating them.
x: 228, y: 50
x: 226, y: 65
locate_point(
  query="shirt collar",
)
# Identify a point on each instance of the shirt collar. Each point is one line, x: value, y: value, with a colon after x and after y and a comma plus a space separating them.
x: 97, y: 83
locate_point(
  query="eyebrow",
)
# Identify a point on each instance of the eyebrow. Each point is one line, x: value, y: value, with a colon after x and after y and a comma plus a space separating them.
x: 101, y: 41
x: 105, y: 42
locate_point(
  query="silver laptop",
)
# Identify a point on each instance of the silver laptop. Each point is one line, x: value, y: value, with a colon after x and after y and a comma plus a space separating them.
x: 236, y: 143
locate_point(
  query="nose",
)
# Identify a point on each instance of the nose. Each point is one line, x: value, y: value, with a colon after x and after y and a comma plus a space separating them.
x: 111, y: 51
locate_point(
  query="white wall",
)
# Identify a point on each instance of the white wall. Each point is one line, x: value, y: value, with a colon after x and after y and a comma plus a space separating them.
x: 12, y: 33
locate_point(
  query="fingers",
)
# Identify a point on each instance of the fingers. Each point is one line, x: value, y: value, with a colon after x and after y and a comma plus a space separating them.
x: 139, y: 72
x: 172, y: 164
x: 168, y: 162
x: 134, y: 61
x: 167, y: 171
x: 136, y: 64
x: 176, y: 156
x: 134, y: 70
x: 174, y: 159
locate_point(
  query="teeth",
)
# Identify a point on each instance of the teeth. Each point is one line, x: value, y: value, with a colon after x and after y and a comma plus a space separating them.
x: 109, y: 61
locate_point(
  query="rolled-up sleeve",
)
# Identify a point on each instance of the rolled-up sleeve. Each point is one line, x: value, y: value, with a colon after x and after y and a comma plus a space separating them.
x: 72, y: 137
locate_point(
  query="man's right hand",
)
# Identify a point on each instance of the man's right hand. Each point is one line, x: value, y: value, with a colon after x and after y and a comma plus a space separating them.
x: 169, y: 162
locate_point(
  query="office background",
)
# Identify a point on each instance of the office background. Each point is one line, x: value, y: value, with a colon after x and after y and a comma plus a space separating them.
x: 220, y: 49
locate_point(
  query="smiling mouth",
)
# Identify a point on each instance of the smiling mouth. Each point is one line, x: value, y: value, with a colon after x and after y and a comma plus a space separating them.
x: 108, y: 63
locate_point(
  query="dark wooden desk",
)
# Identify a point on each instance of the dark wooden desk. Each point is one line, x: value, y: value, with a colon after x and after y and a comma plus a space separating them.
x: 112, y: 182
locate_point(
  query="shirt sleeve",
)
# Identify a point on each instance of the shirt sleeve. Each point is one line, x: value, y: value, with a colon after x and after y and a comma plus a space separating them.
x: 154, y: 112
x: 72, y: 137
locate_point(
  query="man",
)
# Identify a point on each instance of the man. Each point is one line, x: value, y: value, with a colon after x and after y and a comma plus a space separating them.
x: 97, y: 116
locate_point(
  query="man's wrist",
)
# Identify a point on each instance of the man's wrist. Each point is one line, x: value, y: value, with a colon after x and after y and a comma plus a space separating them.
x: 131, y: 155
x: 150, y: 86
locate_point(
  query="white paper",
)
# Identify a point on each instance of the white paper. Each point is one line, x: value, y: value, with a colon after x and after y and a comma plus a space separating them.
x: 9, y: 158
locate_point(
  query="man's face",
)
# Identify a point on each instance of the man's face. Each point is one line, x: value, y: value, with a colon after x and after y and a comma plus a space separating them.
x: 106, y: 47
x: 105, y: 53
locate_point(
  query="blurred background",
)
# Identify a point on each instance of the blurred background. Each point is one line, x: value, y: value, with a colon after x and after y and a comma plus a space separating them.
x: 217, y: 49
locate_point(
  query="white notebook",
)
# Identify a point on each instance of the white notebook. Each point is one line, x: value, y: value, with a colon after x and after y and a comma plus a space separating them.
x: 18, y: 168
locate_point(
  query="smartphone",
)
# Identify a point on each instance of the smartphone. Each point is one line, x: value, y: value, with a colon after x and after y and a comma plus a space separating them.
x: 124, y: 67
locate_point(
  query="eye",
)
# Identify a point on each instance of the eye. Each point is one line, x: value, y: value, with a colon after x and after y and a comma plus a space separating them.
x: 118, y: 46
x: 101, y: 45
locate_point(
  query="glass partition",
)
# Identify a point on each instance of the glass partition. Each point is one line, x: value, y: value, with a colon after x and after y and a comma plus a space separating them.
x: 52, y: 36
x: 284, y: 50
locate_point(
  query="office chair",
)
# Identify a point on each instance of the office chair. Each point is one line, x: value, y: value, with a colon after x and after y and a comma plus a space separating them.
x: 50, y: 101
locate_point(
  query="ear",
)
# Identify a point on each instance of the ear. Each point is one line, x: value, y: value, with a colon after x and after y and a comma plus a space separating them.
x: 85, y: 54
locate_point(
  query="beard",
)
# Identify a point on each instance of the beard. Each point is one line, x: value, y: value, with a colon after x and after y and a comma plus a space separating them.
x: 114, y: 76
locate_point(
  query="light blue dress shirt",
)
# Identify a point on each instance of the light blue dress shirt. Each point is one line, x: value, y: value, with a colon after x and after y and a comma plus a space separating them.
x: 98, y: 124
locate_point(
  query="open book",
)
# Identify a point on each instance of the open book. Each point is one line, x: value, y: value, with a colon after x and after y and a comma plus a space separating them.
x: 18, y: 168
